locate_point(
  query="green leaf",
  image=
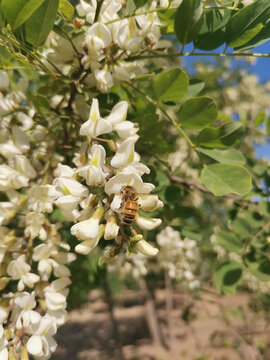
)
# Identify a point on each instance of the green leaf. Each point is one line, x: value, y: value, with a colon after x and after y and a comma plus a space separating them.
x: 228, y: 241
x: 167, y: 18
x: 171, y: 85
x: 247, y: 23
x: 39, y: 25
x: 195, y: 86
x: 131, y: 6
x: 224, y: 179
x: 267, y: 125
x: 259, y: 39
x: 140, y: 3
x: 223, y: 136
x: 260, y: 117
x: 212, y: 33
x: 230, y: 156
x: 241, y: 227
x: 197, y: 113
x: 228, y: 277
x: 258, y: 265
x: 66, y: 9
x: 18, y: 11
x: 188, y: 20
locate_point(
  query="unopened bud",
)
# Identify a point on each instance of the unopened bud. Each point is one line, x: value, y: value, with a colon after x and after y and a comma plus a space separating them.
x: 11, y: 354
x: 3, y: 282
x: 111, y: 229
x: 78, y: 23
x: 24, y: 354
x: 145, y: 248
x: 112, y: 145
x: 98, y: 214
x: 136, y: 238
x: 43, y: 305
x: 7, y: 333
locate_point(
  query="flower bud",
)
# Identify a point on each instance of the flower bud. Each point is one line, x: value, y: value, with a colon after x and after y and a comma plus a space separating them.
x: 3, y: 282
x: 150, y: 202
x: 147, y: 223
x: 145, y: 248
x: 24, y: 354
x: 136, y: 238
x: 4, y: 80
x: 112, y: 145
x: 111, y: 229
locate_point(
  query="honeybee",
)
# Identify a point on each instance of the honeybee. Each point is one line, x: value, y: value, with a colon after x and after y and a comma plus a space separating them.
x: 129, y: 205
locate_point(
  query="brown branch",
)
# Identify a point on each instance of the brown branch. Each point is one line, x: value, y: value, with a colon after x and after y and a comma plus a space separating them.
x: 193, y: 184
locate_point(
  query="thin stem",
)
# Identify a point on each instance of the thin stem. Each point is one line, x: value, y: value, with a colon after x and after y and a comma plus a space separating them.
x: 136, y: 57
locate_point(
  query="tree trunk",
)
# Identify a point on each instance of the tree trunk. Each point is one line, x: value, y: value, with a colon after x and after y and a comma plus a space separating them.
x: 151, y: 316
x: 169, y: 308
x: 116, y: 334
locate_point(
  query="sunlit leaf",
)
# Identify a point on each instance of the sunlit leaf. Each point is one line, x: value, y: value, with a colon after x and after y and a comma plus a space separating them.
x: 247, y: 23
x: 230, y: 156
x: 171, y: 85
x: 39, y: 25
x: 18, y: 11
x: 197, y: 113
x: 188, y: 20
x: 224, y: 179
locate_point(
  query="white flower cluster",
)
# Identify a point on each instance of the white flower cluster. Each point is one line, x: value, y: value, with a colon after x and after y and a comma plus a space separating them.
x: 179, y: 257
x: 110, y: 42
x: 92, y: 193
x: 33, y: 258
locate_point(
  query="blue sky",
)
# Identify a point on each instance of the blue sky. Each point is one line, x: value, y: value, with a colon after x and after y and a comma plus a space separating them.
x: 261, y: 68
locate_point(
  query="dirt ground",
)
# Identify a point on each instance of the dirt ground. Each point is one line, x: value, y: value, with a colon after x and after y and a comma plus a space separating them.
x: 205, y: 327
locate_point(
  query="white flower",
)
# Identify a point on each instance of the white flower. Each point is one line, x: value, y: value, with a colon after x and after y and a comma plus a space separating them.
x: 88, y: 10
x: 24, y: 166
x: 56, y: 293
x: 4, y: 80
x: 88, y: 228
x: 147, y: 223
x: 67, y: 203
x: 93, y: 172
x: 98, y: 37
x: 150, y: 202
x: 11, y: 179
x: 95, y: 125
x: 111, y: 228
x: 125, y: 152
x: 19, y: 269
x: 3, y: 345
x: 88, y: 245
x: 69, y: 186
x: 41, y: 197
x: 128, y: 35
x: 118, y: 113
x: 9, y: 149
x: 126, y: 129
x: 104, y: 79
x: 145, y: 248
x: 34, y: 222
x: 115, y: 184
x: 27, y: 316
x: 20, y: 139
x: 41, y: 343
